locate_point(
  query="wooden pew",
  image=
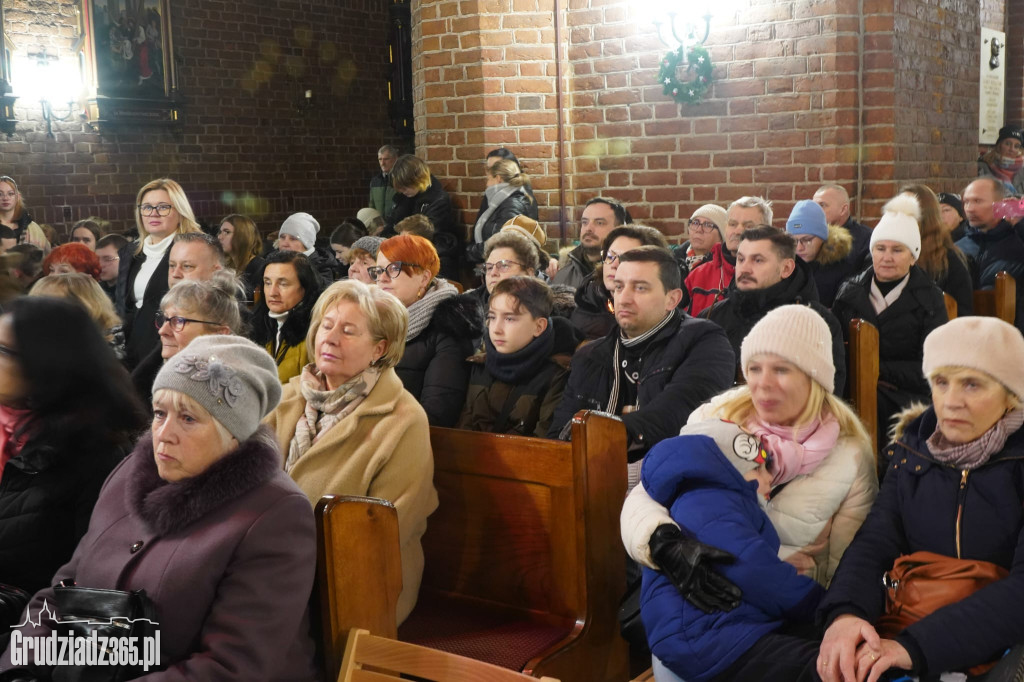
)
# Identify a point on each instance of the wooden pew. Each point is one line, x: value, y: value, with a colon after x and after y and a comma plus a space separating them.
x: 359, y: 571
x: 863, y: 373
x: 369, y: 658
x: 951, y: 307
x: 524, y: 546
x: 1000, y: 301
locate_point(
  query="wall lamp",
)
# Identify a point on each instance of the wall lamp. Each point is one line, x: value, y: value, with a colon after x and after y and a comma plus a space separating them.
x: 44, y: 77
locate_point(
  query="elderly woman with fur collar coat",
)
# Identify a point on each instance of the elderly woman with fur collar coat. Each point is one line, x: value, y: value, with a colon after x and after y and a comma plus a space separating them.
x: 203, y: 519
x: 348, y: 427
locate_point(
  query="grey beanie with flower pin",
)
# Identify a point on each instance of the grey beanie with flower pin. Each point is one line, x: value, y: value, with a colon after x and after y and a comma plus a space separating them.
x: 234, y: 379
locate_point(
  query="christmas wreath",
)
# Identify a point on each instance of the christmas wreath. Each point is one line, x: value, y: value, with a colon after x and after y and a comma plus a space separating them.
x: 698, y: 62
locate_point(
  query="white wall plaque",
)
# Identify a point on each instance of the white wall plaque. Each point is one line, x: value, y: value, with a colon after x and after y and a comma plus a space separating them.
x: 991, y: 85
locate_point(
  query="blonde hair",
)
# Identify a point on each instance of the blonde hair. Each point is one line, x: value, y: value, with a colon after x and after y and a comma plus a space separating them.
x: 740, y: 407
x: 1013, y: 401
x: 80, y: 287
x: 35, y: 236
x: 410, y: 172
x: 388, y: 319
x: 187, y: 219
x: 508, y: 171
x: 182, y: 402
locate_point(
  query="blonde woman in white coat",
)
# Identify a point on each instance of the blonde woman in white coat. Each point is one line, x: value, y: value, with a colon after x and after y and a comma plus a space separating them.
x: 788, y: 404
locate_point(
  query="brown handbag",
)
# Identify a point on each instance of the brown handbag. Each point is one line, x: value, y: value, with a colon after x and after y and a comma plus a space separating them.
x: 923, y: 582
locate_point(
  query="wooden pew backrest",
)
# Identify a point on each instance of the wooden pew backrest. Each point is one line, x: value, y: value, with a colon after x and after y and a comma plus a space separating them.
x: 864, y: 374
x: 359, y: 571
x: 530, y: 526
x: 390, y: 659
x: 1000, y: 301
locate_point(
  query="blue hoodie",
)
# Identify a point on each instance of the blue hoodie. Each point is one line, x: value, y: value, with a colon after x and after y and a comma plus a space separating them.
x: 708, y: 496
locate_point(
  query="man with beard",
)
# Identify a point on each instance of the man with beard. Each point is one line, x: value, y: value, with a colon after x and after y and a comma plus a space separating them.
x: 769, y: 275
x: 600, y: 216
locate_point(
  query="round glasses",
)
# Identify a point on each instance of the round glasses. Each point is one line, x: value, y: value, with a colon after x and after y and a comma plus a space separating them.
x: 178, y: 322
x: 393, y: 269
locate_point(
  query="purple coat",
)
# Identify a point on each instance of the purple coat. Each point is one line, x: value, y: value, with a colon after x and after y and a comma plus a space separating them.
x: 228, y: 557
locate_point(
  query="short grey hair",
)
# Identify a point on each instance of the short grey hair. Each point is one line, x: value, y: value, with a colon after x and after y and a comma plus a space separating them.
x: 390, y: 149
x: 214, y: 300
x: 755, y: 202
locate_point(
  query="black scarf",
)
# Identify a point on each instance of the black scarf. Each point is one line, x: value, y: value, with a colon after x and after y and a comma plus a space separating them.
x: 513, y: 368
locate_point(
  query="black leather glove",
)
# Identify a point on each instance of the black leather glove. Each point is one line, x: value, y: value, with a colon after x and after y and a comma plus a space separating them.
x: 688, y: 563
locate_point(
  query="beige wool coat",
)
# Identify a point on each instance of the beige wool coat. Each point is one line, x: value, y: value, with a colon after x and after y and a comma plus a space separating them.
x: 380, y: 450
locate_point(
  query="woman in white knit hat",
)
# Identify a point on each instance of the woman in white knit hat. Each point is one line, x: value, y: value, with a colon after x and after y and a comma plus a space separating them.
x: 954, y: 488
x: 901, y: 300
x: 705, y: 230
x: 818, y: 448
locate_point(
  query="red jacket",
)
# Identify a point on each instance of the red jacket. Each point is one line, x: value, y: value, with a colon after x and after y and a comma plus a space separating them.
x: 709, y: 282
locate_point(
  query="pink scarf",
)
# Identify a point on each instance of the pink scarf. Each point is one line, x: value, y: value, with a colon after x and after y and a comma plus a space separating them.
x: 1005, y: 168
x: 791, y: 456
x: 10, y: 420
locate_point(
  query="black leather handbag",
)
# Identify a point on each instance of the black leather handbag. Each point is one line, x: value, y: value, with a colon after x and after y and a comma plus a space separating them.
x: 111, y: 614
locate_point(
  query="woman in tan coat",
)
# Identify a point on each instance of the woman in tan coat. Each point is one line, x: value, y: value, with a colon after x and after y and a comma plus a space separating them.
x: 348, y: 427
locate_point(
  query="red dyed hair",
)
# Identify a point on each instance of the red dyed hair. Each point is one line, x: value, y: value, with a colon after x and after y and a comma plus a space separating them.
x: 78, y: 256
x: 409, y: 248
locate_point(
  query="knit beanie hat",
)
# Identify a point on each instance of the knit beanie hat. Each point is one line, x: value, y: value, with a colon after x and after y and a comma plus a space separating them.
x: 899, y: 223
x: 231, y: 377
x: 527, y: 226
x: 367, y: 215
x: 743, y: 450
x: 368, y: 244
x: 952, y: 200
x: 1013, y: 132
x: 986, y: 344
x: 714, y: 213
x: 303, y: 227
x: 798, y: 335
x: 808, y: 218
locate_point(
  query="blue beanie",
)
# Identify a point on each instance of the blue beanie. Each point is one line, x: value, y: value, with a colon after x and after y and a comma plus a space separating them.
x: 807, y: 218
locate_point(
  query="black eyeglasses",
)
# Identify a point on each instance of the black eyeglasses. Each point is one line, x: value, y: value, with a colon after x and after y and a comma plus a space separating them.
x: 160, y: 210
x: 697, y: 225
x: 394, y: 269
x: 610, y: 257
x: 177, y: 322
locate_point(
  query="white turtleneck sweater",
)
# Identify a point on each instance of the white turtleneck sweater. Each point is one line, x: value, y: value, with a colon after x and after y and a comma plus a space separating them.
x: 154, y: 254
x: 280, y: 317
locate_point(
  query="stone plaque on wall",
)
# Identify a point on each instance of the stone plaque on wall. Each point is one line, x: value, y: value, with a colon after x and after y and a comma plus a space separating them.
x: 991, y: 85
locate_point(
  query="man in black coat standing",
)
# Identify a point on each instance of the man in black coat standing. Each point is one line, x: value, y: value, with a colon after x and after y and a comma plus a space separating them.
x: 768, y: 275
x: 657, y: 366
x: 835, y: 201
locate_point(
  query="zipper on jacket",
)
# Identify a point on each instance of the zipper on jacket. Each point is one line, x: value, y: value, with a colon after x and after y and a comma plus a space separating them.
x: 960, y: 508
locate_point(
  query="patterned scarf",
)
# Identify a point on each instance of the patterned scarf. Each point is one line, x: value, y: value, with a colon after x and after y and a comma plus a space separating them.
x: 325, y: 408
x: 1005, y: 167
x: 422, y: 311
x: 973, y: 454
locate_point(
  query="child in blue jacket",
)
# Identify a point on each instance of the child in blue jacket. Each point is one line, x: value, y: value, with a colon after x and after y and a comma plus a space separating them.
x: 713, y: 484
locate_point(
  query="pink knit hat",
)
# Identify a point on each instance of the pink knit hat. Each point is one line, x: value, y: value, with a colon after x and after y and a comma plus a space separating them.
x: 798, y: 335
x: 986, y: 344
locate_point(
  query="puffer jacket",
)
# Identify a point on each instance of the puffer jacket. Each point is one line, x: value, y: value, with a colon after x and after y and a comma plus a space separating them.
x: 928, y: 506
x: 593, y: 313
x: 326, y: 265
x: 685, y: 363
x: 738, y: 313
x: 902, y: 327
x: 573, y: 269
x: 709, y: 282
x: 46, y: 498
x: 833, y: 264
x: 990, y: 252
x: 816, y: 515
x: 534, y: 384
x: 861, y: 234
x: 434, y: 368
x: 517, y: 203
x: 691, y: 476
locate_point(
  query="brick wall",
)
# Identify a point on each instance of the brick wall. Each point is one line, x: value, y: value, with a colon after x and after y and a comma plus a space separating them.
x: 784, y: 115
x: 1015, y: 63
x: 243, y: 66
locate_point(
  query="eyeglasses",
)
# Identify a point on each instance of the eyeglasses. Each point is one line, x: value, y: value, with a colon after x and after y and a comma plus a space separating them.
x: 698, y: 225
x: 610, y: 257
x: 394, y: 269
x: 9, y: 195
x: 8, y: 351
x: 806, y: 242
x: 178, y: 322
x: 160, y: 210
x: 502, y: 266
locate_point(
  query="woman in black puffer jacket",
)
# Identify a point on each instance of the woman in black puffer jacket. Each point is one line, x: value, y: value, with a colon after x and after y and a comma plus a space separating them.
x: 68, y: 415
x: 506, y: 198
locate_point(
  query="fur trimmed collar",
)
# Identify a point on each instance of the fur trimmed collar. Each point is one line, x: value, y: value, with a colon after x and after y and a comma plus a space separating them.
x: 170, y: 507
x: 837, y: 247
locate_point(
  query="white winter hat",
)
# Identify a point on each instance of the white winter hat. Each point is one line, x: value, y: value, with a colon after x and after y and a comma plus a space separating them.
x: 303, y: 227
x: 797, y: 334
x: 899, y: 223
